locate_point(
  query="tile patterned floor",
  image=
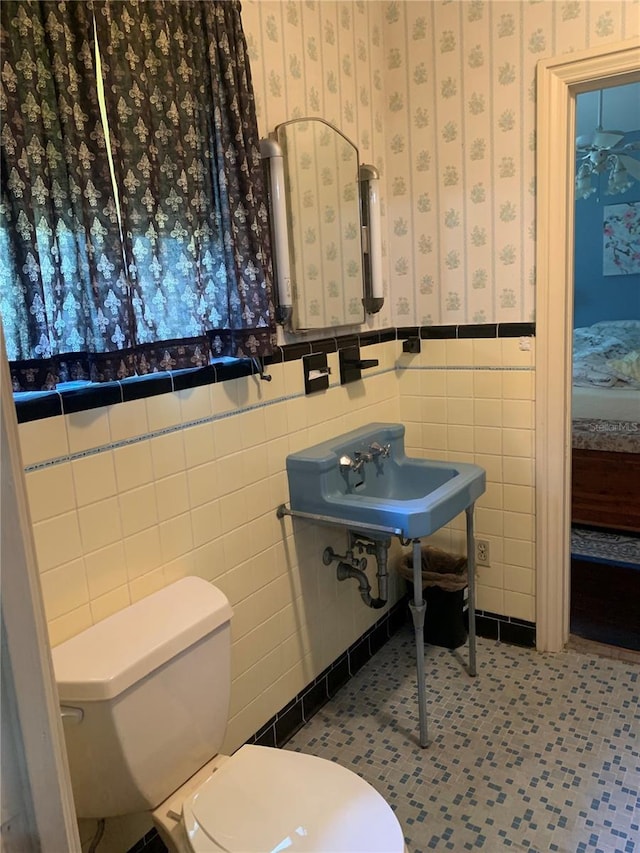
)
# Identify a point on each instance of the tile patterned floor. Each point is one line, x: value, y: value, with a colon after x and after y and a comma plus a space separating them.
x: 539, y: 752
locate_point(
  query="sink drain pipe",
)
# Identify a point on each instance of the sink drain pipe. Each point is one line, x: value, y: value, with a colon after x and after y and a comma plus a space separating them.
x: 345, y: 571
x: 350, y: 567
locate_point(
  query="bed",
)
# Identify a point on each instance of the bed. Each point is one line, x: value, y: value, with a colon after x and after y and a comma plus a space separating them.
x: 606, y: 425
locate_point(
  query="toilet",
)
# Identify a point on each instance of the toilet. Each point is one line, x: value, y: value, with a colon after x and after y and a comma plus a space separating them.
x: 144, y: 699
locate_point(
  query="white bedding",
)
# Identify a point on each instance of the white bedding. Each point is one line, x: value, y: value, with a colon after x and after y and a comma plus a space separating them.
x: 607, y: 355
x: 607, y: 404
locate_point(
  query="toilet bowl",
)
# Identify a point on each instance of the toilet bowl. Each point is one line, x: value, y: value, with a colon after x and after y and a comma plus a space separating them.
x: 264, y: 799
x: 145, y: 698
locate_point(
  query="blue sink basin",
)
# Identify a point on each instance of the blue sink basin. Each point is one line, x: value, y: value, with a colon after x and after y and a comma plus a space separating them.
x: 388, y: 491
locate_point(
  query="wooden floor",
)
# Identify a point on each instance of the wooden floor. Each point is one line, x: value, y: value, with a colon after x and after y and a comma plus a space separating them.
x: 605, y: 603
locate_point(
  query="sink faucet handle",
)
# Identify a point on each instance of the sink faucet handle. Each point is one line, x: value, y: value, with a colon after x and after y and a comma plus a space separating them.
x: 349, y: 464
x: 346, y: 461
x: 378, y: 449
x: 363, y: 455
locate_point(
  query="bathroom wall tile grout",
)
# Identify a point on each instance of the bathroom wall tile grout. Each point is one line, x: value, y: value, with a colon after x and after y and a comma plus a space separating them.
x: 167, y: 430
x: 165, y: 488
x: 197, y: 495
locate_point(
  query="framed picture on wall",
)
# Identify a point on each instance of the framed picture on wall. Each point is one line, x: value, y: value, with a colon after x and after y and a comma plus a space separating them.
x: 621, y: 239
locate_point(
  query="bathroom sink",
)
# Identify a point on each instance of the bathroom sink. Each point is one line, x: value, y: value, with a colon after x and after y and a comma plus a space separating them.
x: 364, y: 480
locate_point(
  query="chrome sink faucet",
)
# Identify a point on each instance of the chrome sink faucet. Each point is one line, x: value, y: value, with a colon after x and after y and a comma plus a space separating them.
x: 361, y: 457
x: 355, y: 463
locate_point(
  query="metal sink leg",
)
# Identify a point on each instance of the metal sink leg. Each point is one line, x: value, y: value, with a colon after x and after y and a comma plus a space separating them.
x: 418, y: 607
x: 471, y: 586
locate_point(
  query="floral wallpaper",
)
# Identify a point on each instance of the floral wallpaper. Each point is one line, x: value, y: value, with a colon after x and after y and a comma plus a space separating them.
x: 448, y: 88
x: 321, y: 58
x: 460, y: 148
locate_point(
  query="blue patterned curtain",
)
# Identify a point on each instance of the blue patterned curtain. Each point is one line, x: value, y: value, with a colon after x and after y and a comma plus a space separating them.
x: 190, y: 270
x: 62, y: 284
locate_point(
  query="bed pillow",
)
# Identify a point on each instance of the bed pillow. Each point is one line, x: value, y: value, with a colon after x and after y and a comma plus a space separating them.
x: 627, y: 369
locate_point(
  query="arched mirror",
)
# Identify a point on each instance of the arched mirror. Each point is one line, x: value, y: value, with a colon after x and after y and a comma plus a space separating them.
x: 315, y: 182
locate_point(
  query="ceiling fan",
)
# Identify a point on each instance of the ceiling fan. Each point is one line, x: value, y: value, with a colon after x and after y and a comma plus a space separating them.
x: 605, y: 151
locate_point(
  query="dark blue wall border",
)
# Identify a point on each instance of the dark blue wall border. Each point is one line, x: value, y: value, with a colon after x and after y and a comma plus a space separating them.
x: 33, y: 406
x: 505, y: 629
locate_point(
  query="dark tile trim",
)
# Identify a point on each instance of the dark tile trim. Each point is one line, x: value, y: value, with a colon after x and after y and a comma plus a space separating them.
x: 91, y: 397
x: 438, y: 332
x: 288, y: 723
x: 348, y: 341
x: 266, y: 736
x: 516, y: 330
x: 482, y: 330
x: 325, y: 345
x: 293, y: 352
x: 404, y: 332
x: 36, y: 406
x: 505, y: 629
x: 339, y: 674
x: 517, y: 635
x: 185, y: 379
x: 369, y: 338
x: 360, y: 653
x: 476, y: 330
x: 235, y: 370
x: 48, y: 404
x: 140, y: 387
x: 486, y: 627
x: 378, y: 636
x: 315, y: 697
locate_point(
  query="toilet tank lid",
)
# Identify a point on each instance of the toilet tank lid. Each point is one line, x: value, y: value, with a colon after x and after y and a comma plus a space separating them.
x: 110, y: 656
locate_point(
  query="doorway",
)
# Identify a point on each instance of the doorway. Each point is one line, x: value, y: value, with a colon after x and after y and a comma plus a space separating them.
x: 605, y: 464
x: 559, y: 81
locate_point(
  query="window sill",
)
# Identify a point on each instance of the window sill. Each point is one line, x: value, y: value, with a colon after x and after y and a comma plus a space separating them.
x: 72, y: 397
x: 78, y: 396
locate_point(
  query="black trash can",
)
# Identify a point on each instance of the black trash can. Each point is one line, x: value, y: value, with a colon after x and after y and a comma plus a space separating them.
x: 444, y: 578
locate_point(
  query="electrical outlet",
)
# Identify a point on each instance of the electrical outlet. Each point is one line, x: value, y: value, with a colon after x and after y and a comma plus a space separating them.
x: 483, y: 554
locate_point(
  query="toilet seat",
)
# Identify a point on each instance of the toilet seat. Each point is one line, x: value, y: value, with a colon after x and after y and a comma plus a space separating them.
x: 264, y: 800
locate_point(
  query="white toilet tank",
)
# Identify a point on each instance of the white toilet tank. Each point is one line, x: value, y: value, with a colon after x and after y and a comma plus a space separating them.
x: 145, y: 697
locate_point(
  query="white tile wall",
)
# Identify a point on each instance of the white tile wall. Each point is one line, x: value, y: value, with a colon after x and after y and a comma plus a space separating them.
x: 482, y: 411
x: 116, y: 524
x: 113, y: 526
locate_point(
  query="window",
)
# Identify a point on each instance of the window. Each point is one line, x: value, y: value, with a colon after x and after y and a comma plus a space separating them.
x: 160, y: 260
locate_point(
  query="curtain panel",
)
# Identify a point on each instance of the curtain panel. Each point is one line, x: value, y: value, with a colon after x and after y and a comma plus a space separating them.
x: 194, y: 260
x: 187, y: 160
x: 62, y: 277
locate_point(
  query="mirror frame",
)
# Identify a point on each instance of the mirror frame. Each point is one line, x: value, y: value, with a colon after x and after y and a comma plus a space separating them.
x: 369, y: 228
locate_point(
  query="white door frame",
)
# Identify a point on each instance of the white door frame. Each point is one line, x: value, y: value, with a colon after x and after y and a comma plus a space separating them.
x: 49, y: 818
x: 559, y: 80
